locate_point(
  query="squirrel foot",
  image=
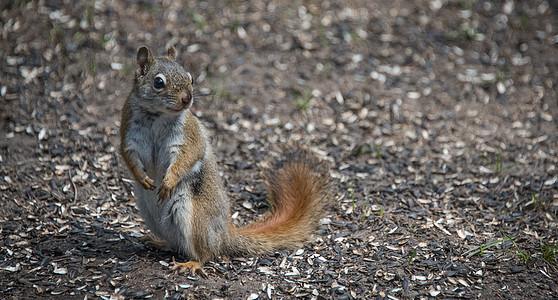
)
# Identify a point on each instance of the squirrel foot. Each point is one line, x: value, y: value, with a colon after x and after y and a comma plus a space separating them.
x: 194, y: 267
x: 154, y: 241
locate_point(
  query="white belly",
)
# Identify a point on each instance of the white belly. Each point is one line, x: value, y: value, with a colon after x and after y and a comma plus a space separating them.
x: 157, y: 145
x: 171, y: 219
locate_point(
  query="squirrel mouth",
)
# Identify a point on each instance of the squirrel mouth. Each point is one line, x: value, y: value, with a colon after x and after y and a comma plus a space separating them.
x: 178, y: 108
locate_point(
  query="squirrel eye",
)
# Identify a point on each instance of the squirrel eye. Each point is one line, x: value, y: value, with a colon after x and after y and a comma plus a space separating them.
x: 159, y: 82
x: 191, y: 78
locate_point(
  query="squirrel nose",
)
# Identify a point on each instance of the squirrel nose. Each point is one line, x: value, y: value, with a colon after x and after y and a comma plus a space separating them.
x: 186, y: 98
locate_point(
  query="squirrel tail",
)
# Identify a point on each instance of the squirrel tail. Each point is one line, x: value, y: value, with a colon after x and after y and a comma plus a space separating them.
x: 298, y: 197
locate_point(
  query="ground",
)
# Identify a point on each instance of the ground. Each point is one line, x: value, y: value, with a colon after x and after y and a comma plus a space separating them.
x: 438, y: 119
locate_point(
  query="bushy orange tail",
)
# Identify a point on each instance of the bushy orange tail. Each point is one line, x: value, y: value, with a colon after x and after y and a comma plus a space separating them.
x: 298, y: 196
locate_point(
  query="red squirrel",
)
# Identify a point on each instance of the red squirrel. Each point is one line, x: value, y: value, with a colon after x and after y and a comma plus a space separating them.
x: 178, y: 189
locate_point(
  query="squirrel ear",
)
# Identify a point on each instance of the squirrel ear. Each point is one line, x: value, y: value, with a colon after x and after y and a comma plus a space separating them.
x: 172, y: 53
x: 145, y: 59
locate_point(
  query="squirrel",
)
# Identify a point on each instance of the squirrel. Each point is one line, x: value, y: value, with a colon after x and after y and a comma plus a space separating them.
x: 164, y: 145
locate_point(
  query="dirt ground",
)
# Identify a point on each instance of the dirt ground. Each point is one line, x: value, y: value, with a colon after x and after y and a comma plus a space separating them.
x: 438, y: 119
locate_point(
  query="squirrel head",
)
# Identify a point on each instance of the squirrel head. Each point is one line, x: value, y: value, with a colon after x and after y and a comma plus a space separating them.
x: 161, y: 84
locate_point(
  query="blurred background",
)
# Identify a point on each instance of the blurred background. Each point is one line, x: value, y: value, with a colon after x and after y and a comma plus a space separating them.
x: 437, y: 117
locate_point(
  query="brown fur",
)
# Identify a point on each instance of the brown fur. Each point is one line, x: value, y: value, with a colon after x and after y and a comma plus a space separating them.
x: 298, y: 197
x: 190, y: 152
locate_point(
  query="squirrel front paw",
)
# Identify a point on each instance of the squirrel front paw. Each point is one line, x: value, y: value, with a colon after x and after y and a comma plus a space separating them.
x: 167, y: 188
x: 147, y: 183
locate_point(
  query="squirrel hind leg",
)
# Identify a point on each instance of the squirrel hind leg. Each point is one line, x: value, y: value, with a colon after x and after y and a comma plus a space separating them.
x: 154, y: 241
x: 193, y: 267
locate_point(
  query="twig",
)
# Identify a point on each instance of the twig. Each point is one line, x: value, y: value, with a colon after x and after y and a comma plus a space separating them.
x: 73, y: 184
